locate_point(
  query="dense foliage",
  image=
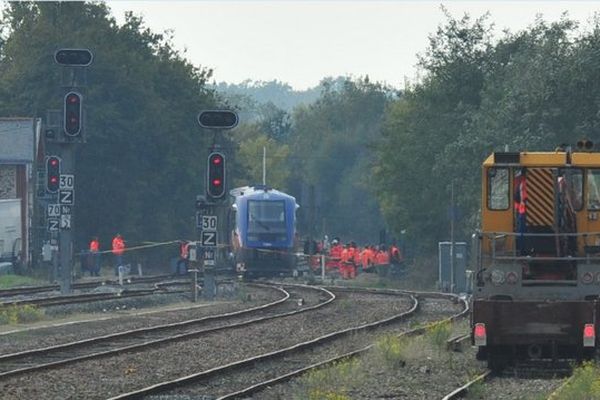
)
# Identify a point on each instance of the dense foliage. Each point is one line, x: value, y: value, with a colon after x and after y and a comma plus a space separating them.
x: 350, y: 150
x: 142, y: 165
x: 531, y: 90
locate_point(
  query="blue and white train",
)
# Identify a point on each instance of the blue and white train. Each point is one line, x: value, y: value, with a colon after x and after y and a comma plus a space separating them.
x: 264, y: 231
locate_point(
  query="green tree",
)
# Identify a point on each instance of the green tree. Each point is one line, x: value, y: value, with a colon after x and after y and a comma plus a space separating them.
x: 139, y: 171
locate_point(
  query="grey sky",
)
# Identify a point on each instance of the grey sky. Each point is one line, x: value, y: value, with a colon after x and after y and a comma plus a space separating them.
x: 300, y: 42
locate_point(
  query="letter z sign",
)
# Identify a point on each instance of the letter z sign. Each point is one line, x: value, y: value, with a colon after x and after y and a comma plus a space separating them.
x: 209, y: 239
x: 66, y: 197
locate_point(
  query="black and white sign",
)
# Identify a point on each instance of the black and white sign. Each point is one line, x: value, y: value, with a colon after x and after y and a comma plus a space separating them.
x: 67, y: 182
x: 66, y: 210
x: 202, y: 212
x: 65, y: 222
x: 53, y: 224
x: 209, y: 254
x: 209, y: 223
x: 66, y: 197
x: 53, y: 210
x: 209, y: 239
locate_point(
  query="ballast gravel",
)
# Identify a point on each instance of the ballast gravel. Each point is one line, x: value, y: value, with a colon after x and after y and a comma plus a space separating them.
x: 103, y: 378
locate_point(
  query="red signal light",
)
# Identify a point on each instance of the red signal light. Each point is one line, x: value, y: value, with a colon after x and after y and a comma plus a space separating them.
x: 73, y: 114
x: 216, y: 175
x: 480, y: 334
x: 52, y: 174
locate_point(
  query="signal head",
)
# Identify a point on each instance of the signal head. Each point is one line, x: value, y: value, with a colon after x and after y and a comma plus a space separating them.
x: 52, y: 174
x: 72, y: 114
x: 215, y: 186
x: 218, y: 119
x: 73, y: 57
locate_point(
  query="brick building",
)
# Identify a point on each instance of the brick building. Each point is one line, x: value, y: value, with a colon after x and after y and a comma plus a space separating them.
x: 20, y: 154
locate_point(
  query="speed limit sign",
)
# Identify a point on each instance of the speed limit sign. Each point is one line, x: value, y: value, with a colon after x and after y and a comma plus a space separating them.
x: 209, y: 223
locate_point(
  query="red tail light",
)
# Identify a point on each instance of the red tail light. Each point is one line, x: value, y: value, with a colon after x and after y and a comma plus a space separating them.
x: 589, y: 335
x: 480, y: 334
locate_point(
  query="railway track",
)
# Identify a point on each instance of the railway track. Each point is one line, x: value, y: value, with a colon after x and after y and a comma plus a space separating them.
x: 522, y: 381
x: 160, y: 287
x: 296, y: 351
x: 28, y: 290
x: 118, y: 343
x: 282, y: 378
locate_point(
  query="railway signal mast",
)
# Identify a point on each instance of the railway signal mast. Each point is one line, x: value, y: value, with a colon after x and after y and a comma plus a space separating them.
x: 61, y: 135
x: 211, y: 209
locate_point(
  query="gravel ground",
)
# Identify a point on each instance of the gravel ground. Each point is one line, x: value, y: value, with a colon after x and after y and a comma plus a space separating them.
x: 503, y: 388
x: 135, y: 370
x: 368, y: 376
x: 36, y: 338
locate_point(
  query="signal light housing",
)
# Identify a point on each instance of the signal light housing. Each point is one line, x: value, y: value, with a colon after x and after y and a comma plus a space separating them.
x: 218, y: 119
x: 215, y: 185
x: 73, y: 57
x: 480, y: 334
x: 589, y: 335
x: 72, y: 114
x: 52, y: 174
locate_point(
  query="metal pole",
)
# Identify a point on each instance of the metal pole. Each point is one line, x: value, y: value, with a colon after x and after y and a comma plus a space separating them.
x: 264, y: 165
x: 65, y: 236
x: 194, y: 285
x: 452, y: 237
x: 322, y: 267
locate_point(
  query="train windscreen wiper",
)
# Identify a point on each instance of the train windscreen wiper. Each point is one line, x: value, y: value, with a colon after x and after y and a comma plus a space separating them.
x: 262, y: 224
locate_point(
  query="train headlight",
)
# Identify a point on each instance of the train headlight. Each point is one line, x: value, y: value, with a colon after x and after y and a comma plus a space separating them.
x: 587, y: 278
x: 497, y: 277
x: 512, y: 277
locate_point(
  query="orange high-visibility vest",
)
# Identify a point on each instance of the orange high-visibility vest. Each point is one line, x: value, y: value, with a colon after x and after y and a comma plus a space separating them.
x: 118, y: 246
x: 94, y: 245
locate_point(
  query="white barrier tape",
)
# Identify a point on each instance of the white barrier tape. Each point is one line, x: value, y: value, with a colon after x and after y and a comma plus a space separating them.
x: 144, y: 246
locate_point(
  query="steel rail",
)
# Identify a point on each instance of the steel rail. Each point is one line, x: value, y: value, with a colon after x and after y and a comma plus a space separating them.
x: 464, y: 389
x: 186, y: 380
x: 145, y: 331
x: 25, y: 290
x: 84, y: 298
x: 556, y: 393
x: 288, y: 376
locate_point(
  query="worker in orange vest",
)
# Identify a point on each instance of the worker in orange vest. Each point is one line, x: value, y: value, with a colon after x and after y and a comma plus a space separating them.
x: 520, y: 202
x: 335, y: 254
x: 94, y: 257
x: 118, y: 248
x: 345, y: 262
x: 184, y: 253
x: 367, y: 257
x: 382, y: 261
x: 395, y: 259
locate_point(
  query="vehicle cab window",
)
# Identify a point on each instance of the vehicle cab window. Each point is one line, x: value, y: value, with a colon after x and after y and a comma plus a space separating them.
x: 498, y: 188
x: 593, y: 189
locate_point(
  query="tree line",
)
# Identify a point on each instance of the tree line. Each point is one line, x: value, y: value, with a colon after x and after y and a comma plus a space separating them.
x: 360, y: 157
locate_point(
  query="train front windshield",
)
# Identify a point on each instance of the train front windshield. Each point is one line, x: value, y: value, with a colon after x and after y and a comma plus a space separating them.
x: 266, y: 220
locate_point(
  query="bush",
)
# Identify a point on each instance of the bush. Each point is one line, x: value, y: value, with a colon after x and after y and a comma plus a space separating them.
x: 331, y: 383
x: 391, y: 351
x: 584, y: 384
x: 20, y: 314
x: 439, y: 333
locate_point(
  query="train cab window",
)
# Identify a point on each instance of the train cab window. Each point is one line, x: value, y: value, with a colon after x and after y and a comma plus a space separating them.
x: 593, y: 189
x: 266, y: 215
x: 498, y: 189
x: 570, y: 182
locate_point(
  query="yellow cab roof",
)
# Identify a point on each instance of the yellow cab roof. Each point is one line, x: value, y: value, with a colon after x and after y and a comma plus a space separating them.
x: 535, y: 159
x: 550, y: 159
